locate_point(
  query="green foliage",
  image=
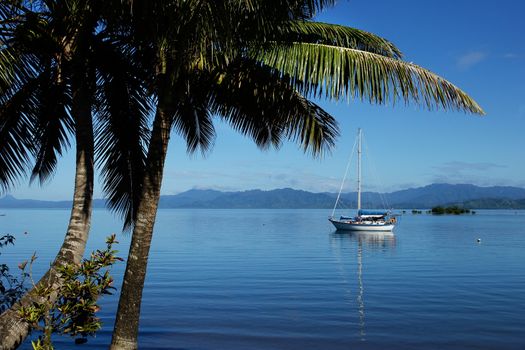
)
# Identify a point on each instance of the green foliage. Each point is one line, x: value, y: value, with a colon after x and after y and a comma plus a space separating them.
x: 337, y: 35
x: 11, y: 287
x: 335, y: 72
x: 455, y: 210
x: 74, y: 311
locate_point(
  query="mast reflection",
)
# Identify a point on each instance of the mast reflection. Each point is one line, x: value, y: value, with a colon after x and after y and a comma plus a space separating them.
x: 373, y: 241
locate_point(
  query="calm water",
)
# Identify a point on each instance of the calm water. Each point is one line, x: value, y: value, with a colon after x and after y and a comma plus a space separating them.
x: 282, y: 279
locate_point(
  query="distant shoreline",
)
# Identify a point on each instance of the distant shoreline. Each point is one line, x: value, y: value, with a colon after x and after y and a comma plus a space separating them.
x: 464, y: 196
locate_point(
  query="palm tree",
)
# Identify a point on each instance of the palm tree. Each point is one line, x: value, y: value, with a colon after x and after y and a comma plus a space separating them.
x: 35, y: 123
x: 55, y: 66
x: 254, y: 63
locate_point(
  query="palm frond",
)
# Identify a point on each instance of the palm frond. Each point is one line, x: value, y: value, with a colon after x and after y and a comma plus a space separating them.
x: 7, y: 74
x: 121, y: 132
x: 293, y: 9
x: 192, y: 119
x: 317, y: 5
x: 53, y: 128
x: 259, y: 103
x: 334, y: 72
x: 16, y: 69
x: 305, y: 9
x: 16, y: 134
x: 27, y: 61
x: 335, y: 35
x: 22, y: 51
x: 10, y: 14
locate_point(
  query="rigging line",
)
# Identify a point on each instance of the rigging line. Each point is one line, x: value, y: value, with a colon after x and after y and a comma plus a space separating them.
x: 344, y: 177
x: 343, y: 204
x: 376, y: 179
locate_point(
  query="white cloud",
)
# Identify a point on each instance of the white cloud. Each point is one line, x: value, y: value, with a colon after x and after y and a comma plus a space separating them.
x: 456, y: 172
x: 470, y: 59
x: 467, y: 166
x: 179, y: 181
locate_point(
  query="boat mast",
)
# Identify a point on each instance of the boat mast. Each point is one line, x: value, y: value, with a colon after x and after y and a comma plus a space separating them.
x: 359, y: 170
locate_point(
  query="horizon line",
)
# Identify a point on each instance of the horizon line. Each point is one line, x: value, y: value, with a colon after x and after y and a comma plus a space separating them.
x: 275, y: 189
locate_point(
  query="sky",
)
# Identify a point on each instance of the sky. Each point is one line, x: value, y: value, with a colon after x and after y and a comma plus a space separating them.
x: 478, y: 45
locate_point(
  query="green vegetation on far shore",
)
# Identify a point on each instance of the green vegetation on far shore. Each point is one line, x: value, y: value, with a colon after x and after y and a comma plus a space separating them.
x: 455, y: 210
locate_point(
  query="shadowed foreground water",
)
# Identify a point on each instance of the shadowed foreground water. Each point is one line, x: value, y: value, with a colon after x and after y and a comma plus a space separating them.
x: 283, y: 279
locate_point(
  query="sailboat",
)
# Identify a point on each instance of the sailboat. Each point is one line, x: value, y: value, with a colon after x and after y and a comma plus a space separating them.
x: 366, y: 220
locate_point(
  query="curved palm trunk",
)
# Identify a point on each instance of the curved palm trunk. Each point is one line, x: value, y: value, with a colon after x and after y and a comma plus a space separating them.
x: 13, y: 330
x: 125, y: 333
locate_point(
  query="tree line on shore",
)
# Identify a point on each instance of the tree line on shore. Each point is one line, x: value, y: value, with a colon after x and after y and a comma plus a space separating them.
x: 441, y: 210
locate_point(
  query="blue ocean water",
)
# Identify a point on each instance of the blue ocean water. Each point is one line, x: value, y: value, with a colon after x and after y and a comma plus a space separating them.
x: 284, y: 279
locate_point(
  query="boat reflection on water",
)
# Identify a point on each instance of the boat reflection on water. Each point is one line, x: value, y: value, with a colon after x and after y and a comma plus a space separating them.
x: 373, y: 241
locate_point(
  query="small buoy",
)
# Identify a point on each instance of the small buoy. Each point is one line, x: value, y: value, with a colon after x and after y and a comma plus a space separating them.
x: 25, y: 233
x: 479, y: 240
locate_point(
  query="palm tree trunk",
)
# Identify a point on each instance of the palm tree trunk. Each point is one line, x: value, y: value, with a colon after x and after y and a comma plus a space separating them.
x: 12, y: 329
x: 125, y: 333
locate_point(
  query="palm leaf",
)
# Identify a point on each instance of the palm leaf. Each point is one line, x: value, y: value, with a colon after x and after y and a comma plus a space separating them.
x: 121, y: 131
x: 54, y: 125
x: 10, y: 14
x: 335, y: 35
x: 259, y: 103
x: 22, y: 58
x: 15, y: 70
x: 16, y: 134
x: 300, y: 9
x: 334, y: 72
x: 192, y: 119
x: 7, y: 74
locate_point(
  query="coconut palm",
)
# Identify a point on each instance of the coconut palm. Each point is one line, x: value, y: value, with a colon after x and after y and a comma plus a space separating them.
x: 254, y: 64
x: 57, y: 66
x: 35, y: 124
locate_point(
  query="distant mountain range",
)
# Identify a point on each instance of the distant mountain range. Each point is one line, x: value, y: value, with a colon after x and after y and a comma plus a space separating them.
x: 469, y: 196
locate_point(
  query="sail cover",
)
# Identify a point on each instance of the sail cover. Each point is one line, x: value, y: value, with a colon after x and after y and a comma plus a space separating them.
x: 372, y: 213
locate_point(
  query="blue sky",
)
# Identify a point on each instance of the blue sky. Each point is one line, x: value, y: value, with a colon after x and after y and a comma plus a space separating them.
x: 477, y: 45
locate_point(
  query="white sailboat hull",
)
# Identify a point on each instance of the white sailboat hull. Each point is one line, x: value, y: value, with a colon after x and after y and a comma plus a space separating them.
x: 346, y: 225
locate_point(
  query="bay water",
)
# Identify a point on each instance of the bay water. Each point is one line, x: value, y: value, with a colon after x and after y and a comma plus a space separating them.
x: 284, y: 279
